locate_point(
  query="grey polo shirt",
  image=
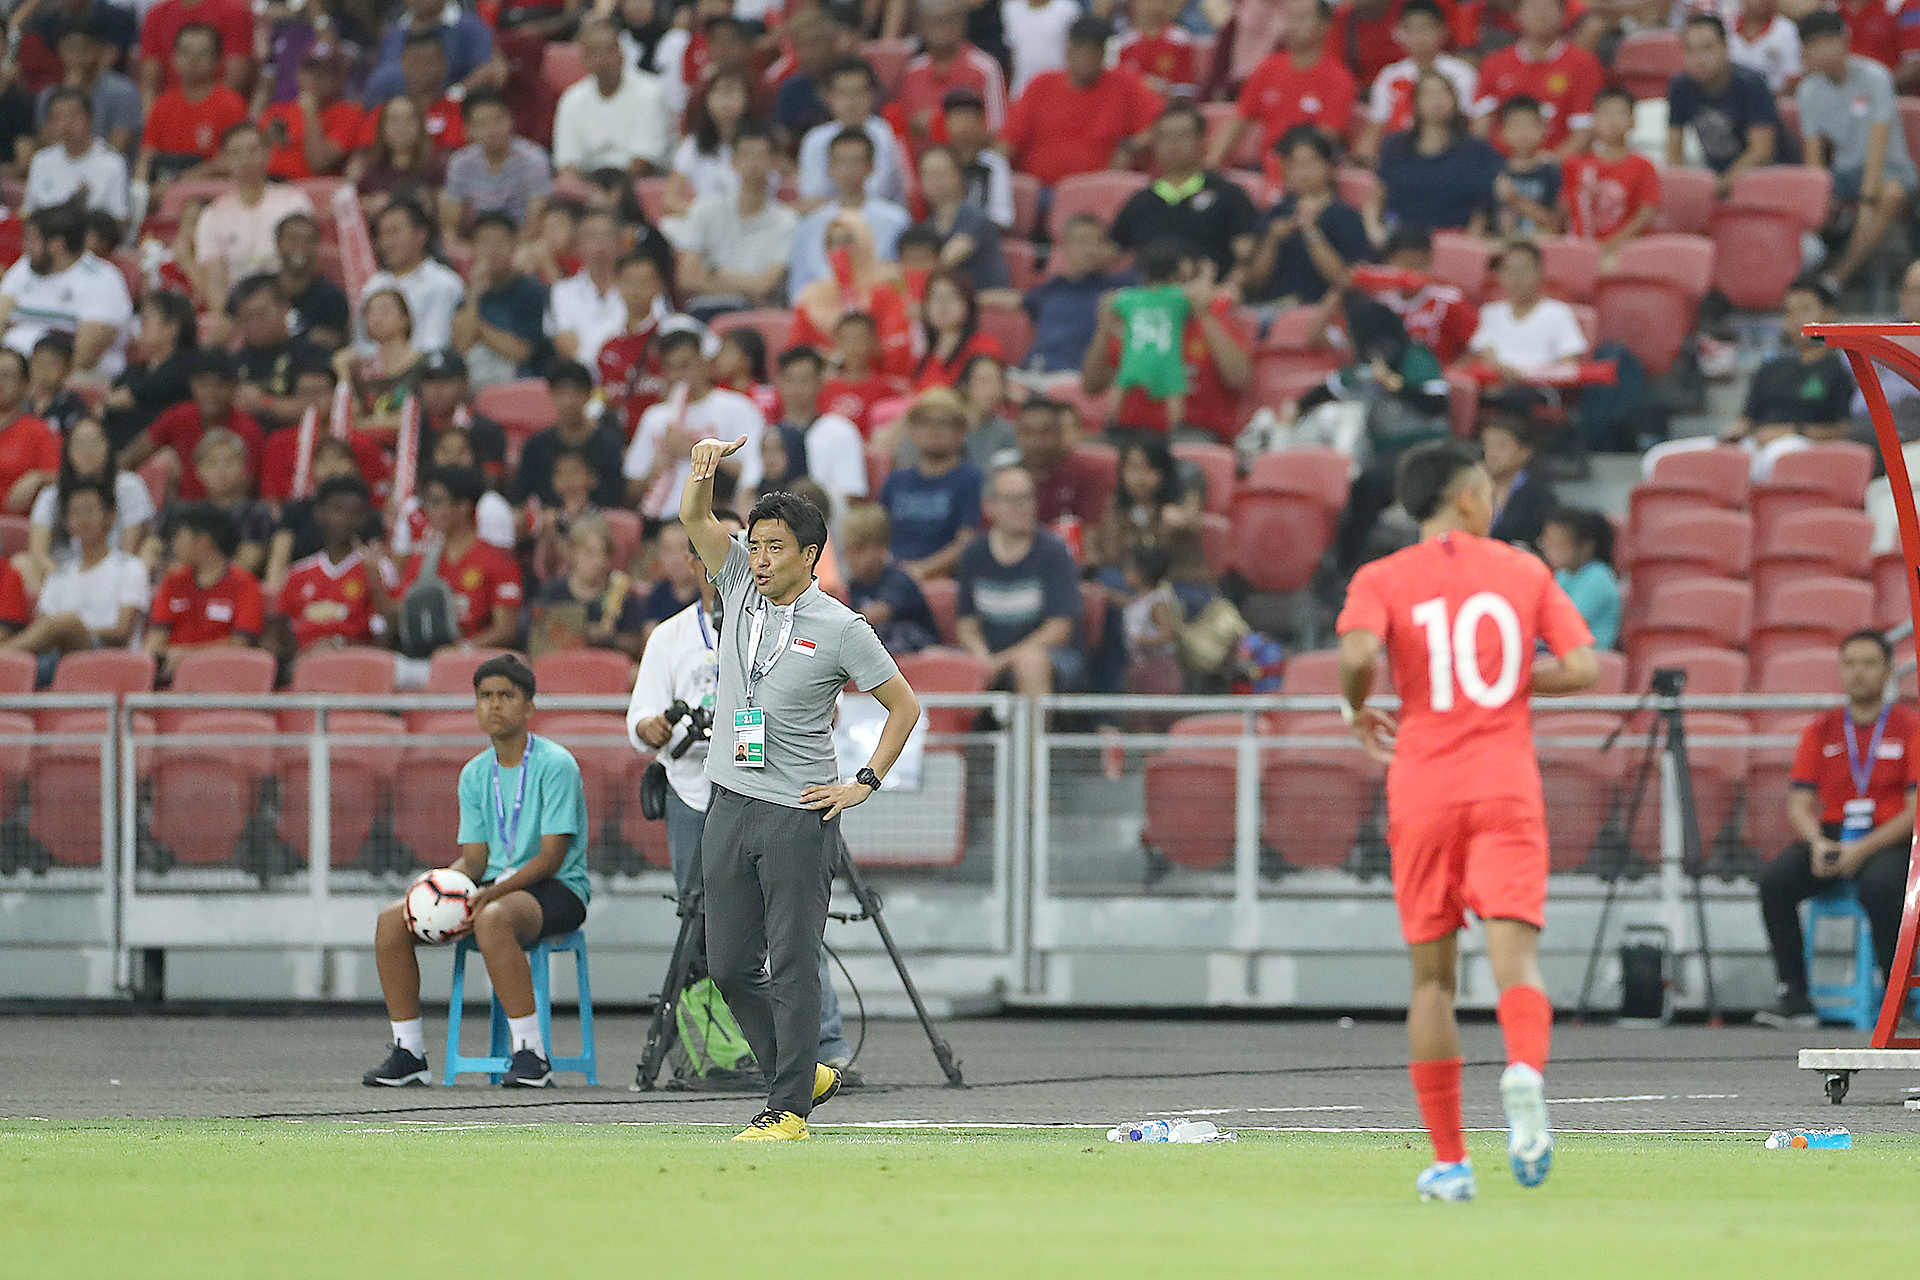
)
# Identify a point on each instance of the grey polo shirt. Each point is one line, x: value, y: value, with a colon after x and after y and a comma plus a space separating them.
x: 829, y: 645
x: 1842, y: 113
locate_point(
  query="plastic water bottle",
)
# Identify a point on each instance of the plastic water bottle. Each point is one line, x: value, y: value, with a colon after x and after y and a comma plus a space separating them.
x: 1200, y: 1131
x: 1142, y: 1131
x: 1814, y: 1139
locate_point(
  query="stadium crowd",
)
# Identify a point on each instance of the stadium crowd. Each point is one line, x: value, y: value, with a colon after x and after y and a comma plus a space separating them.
x: 329, y: 325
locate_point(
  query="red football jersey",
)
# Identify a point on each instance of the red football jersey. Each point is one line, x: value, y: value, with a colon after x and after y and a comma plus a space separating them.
x: 1602, y: 195
x: 483, y: 579
x: 444, y: 125
x: 180, y: 428
x: 1873, y: 30
x: 178, y: 126
x: 1823, y: 763
x: 286, y: 129
x: 1165, y: 61
x: 1279, y: 95
x: 1564, y: 83
x: 324, y: 600
x: 1438, y: 316
x: 629, y: 369
x: 854, y: 401
x: 194, y: 614
x: 1459, y: 617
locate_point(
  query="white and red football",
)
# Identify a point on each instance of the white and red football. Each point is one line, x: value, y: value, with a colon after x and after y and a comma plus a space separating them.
x: 439, y: 903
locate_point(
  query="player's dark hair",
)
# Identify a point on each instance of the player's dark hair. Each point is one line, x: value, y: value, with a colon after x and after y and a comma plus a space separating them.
x: 1427, y: 474
x: 463, y: 484
x: 1711, y: 21
x: 508, y: 667
x: 341, y: 486
x: 216, y: 523
x: 1822, y: 22
x: 1586, y: 525
x: 802, y: 517
x: 569, y: 373
x: 1870, y: 636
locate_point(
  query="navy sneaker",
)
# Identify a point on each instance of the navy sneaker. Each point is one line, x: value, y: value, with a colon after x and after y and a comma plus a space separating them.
x: 528, y: 1071
x: 401, y: 1068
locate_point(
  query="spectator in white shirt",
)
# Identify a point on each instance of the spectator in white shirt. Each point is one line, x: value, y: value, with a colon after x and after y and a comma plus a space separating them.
x: 735, y: 245
x: 614, y: 118
x: 660, y: 457
x: 58, y: 285
x: 75, y: 163
x: 586, y: 308
x: 85, y: 456
x: 235, y: 235
x: 96, y: 599
x: 851, y: 95
x: 1761, y: 38
x: 432, y: 289
x: 1524, y: 332
x: 849, y: 162
x: 1037, y: 37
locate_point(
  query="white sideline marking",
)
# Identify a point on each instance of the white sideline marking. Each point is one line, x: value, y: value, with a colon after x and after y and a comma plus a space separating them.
x: 1102, y: 1127
x: 1625, y: 1097
x: 1267, y: 1110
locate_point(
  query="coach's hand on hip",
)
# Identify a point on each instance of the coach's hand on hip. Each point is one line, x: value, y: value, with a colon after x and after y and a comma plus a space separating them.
x: 707, y: 455
x: 835, y: 799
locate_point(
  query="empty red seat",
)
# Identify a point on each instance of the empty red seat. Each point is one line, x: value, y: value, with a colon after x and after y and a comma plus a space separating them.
x: 1189, y: 792
x: 115, y: 671
x: 1715, y: 672
x: 943, y: 670
x: 1816, y: 542
x: 1316, y: 472
x: 1026, y: 206
x: 1219, y: 116
x: 1572, y: 266
x: 583, y: 671
x: 1650, y: 302
x: 1316, y: 672
x: 1023, y: 263
x: 66, y: 786
x: 238, y: 671
x: 1217, y: 463
x: 1687, y: 197
x: 1721, y: 475
x: 1829, y: 474
x: 1581, y: 783
x: 353, y: 669
x: 205, y: 787
x: 364, y: 777
x: 425, y: 816
x: 609, y: 770
x: 1100, y: 194
x: 1463, y: 261
x: 943, y: 601
x: 1757, y: 232
x: 1770, y: 774
x: 1810, y: 611
x: 775, y: 327
x: 1646, y: 60
x: 889, y: 59
x: 15, y: 757
x: 1693, y: 543
x: 521, y: 407
x: 1613, y: 673
x: 1892, y: 591
x: 1282, y: 377
x: 1807, y: 669
x: 451, y: 671
x: 1216, y: 543
x: 17, y: 672
x: 1012, y: 329
x: 1711, y: 612
x: 1279, y: 538
x: 1314, y: 795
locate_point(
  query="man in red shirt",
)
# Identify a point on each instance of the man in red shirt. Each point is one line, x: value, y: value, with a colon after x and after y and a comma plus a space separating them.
x: 1297, y: 84
x: 1558, y: 74
x: 1438, y: 316
x: 861, y: 383
x: 628, y: 366
x: 186, y: 123
x: 1873, y: 30
x: 1458, y: 617
x: 214, y: 380
x: 1218, y: 353
x: 949, y: 63
x: 1160, y: 49
x: 29, y: 448
x: 485, y: 580
x: 207, y: 601
x: 1085, y: 119
x: 1611, y: 192
x: 423, y: 68
x: 1066, y: 482
x: 335, y: 596
x: 315, y: 132
x: 231, y: 22
x: 1852, y: 806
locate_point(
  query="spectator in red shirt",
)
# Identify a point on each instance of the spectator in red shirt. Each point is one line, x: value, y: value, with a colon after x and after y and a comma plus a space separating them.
x: 1874, y: 31
x: 185, y: 124
x: 1438, y: 316
x: 861, y: 383
x: 1852, y: 805
x: 947, y: 63
x: 1362, y: 36
x: 1109, y: 109
x: 1066, y: 481
x: 214, y: 380
x: 950, y: 331
x: 1611, y: 192
x: 1160, y: 49
x: 485, y: 580
x: 316, y: 131
x: 207, y: 601
x: 1217, y: 351
x: 29, y: 448
x: 1560, y: 75
x: 1299, y: 84
x: 335, y: 596
x: 423, y: 68
x: 231, y: 21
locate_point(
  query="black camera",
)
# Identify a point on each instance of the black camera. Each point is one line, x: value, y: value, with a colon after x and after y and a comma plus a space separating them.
x: 699, y: 725
x: 1669, y: 682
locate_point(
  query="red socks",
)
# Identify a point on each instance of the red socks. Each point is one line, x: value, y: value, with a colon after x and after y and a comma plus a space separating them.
x: 1436, y: 1086
x: 1526, y: 1021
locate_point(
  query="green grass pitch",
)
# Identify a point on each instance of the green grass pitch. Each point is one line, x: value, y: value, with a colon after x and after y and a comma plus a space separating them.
x: 109, y: 1200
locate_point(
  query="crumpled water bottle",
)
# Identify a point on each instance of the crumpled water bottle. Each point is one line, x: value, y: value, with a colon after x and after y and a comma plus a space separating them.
x: 1814, y: 1139
x: 1142, y: 1131
x: 1200, y: 1131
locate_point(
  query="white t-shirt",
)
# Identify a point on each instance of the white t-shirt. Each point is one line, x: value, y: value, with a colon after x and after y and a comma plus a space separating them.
x: 719, y: 415
x: 837, y: 456
x: 242, y: 237
x: 1396, y: 80
x: 1037, y: 38
x: 888, y: 181
x: 89, y: 291
x: 97, y: 594
x: 595, y: 132
x: 1548, y: 334
x: 54, y: 176
x: 1775, y: 53
x: 133, y: 506
x: 433, y: 292
x: 680, y: 663
x: 576, y: 306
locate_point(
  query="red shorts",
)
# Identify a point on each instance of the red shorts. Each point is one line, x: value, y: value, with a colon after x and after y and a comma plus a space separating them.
x: 1486, y: 856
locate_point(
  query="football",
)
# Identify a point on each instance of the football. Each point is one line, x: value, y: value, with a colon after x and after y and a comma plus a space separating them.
x: 439, y: 903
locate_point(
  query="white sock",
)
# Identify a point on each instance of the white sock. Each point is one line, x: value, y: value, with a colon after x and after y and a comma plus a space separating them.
x: 411, y: 1035
x: 526, y: 1034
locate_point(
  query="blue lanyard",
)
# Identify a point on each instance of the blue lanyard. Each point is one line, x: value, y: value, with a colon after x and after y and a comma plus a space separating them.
x: 706, y: 635
x: 510, y: 834
x: 1862, y: 770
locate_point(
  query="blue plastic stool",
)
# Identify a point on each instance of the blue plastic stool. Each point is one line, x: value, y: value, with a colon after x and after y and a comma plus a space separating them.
x: 539, y: 959
x: 1858, y: 1000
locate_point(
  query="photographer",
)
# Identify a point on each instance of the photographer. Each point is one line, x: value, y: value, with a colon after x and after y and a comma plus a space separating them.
x: 678, y: 676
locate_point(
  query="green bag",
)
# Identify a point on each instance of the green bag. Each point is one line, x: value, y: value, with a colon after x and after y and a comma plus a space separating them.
x: 710, y: 1043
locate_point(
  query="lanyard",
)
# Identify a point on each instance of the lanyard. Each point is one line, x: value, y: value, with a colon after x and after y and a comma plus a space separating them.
x: 706, y: 633
x: 755, y: 671
x: 1862, y: 770
x: 510, y: 834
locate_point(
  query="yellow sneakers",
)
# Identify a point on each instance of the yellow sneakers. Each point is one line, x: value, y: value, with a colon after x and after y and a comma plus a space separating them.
x: 826, y: 1082
x: 774, y: 1126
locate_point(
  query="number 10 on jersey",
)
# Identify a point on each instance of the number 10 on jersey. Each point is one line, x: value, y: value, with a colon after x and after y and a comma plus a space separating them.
x: 1453, y: 650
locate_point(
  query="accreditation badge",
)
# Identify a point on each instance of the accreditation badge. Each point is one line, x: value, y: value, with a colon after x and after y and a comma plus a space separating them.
x: 750, y: 738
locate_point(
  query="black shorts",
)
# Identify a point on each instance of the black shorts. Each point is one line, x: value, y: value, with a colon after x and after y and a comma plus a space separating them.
x: 560, y: 911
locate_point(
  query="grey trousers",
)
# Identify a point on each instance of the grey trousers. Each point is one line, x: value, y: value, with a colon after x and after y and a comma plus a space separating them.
x: 769, y: 873
x: 684, y: 826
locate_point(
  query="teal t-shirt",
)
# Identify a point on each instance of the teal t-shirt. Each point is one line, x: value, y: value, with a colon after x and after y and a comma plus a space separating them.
x: 555, y: 804
x: 1595, y: 592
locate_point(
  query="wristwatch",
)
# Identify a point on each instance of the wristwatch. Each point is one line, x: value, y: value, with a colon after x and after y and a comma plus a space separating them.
x: 868, y: 779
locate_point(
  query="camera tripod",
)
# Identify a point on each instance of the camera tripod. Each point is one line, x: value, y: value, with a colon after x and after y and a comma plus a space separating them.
x: 691, y: 943
x: 1669, y: 723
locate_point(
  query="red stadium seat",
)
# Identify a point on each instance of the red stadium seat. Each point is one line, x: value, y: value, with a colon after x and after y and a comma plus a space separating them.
x: 521, y: 407
x: 17, y: 672
x: 1766, y: 829
x: 354, y: 669
x: 1093, y: 614
x: 1810, y: 611
x: 1572, y: 267
x: 943, y: 670
x: 1613, y: 673
x: 204, y: 790
x: 1463, y: 261
x: 1254, y: 183
x: 363, y: 778
x: 1757, y: 231
x: 218, y: 671
x: 13, y: 534
x: 1646, y: 60
x: 1582, y: 784
x: 1314, y: 798
x: 609, y: 771
x: 1100, y: 194
x: 1012, y: 329
x: 1892, y: 591
x: 65, y: 782
x: 561, y: 65
x: 1315, y: 672
x: 1289, y: 330
x: 1808, y: 669
x: 775, y: 327
x: 1818, y: 542
x: 115, y: 671
x: 1721, y: 475
x: 451, y: 671
x: 1719, y: 771
x: 1280, y: 378
x: 423, y: 819
x: 943, y: 600
x: 1701, y: 542
x: 1216, y: 543
x: 627, y: 535
x: 176, y: 196
x: 1284, y: 516
x: 1651, y: 300
x: 1220, y: 116
x: 1711, y: 612
x: 583, y: 671
x: 1831, y: 474
x: 1356, y: 186
x: 1189, y: 794
x: 1687, y: 198
x: 1709, y: 671
x: 1026, y: 206
x: 1322, y: 473
x: 1217, y: 463
x: 1023, y: 263
x: 15, y: 758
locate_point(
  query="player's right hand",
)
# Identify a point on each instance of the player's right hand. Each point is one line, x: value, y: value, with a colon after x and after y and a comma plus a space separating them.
x: 1376, y: 731
x: 707, y: 455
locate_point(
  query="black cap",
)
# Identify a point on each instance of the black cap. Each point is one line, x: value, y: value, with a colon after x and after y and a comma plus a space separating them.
x: 443, y: 364
x: 214, y: 362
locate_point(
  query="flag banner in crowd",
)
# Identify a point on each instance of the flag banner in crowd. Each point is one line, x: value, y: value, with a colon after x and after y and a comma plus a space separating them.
x: 303, y: 452
x: 340, y: 419
x: 406, y: 456
x: 357, y: 263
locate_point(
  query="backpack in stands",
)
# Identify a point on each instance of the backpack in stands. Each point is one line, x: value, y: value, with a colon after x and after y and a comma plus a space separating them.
x: 429, y: 612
